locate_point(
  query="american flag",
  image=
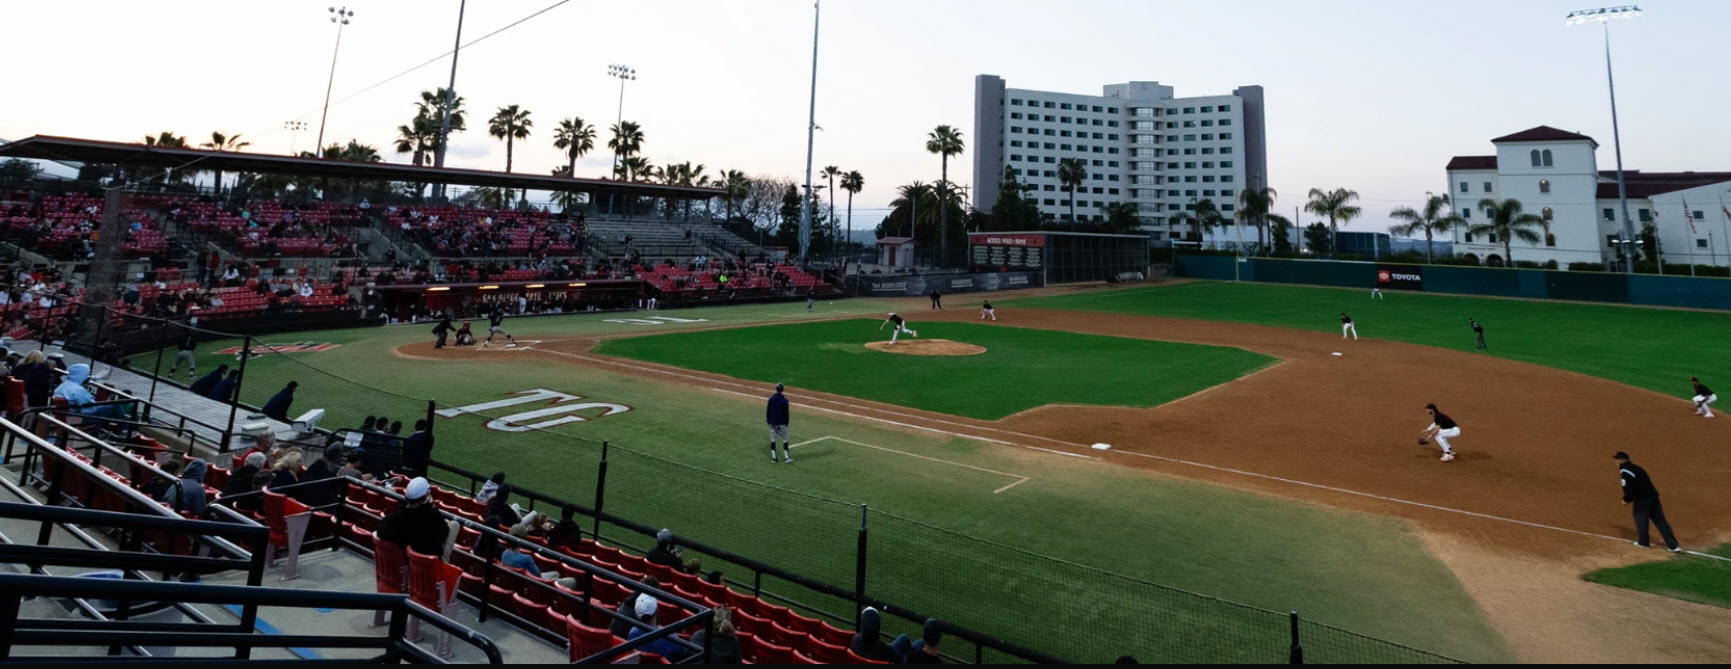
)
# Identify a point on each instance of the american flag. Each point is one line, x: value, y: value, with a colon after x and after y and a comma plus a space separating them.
x: 1687, y: 216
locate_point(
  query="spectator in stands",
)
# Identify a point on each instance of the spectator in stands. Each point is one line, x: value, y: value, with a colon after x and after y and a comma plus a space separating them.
x: 491, y: 487
x: 724, y: 648
x: 418, y: 524
x: 352, y: 463
x: 666, y: 647
x: 367, y: 425
x: 417, y: 449
x: 278, y: 405
x: 621, y: 626
x: 925, y: 651
x: 286, y: 471
x: 867, y: 642
x: 208, y: 382
x: 566, y: 534
x: 187, y: 494
x: 38, y: 377
x: 499, y: 506
x: 224, y: 390
x: 77, y: 398
x: 255, y: 504
x: 157, y: 488
x: 240, y: 480
x: 396, y: 428
x: 665, y: 552
x: 516, y: 557
x: 323, y: 468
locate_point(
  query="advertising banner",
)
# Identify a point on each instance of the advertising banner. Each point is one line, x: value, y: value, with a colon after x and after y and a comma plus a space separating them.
x: 889, y: 286
x: 1400, y: 277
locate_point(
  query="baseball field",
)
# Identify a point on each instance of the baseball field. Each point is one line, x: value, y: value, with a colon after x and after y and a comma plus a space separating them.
x: 1246, y: 460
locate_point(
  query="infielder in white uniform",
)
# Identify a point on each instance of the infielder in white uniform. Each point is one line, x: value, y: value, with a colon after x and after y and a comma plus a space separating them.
x: 901, y: 326
x: 986, y: 311
x: 1346, y: 327
x: 1704, y: 398
x: 1442, y: 429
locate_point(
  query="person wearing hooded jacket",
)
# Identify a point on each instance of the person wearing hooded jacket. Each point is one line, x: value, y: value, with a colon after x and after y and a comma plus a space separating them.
x: 278, y: 405
x: 491, y: 487
x: 867, y: 642
x: 187, y: 495
x: 78, y: 398
x: 205, y: 383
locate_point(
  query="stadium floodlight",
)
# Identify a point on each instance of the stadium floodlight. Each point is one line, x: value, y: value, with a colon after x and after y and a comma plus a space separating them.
x: 623, y: 73
x: 1604, y: 16
x: 294, y: 128
x: 341, y: 18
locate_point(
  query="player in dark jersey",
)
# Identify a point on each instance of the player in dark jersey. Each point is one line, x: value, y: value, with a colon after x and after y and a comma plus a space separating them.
x: 497, y: 320
x: 1704, y: 398
x: 1442, y: 429
x: 1346, y: 327
x: 986, y: 311
x: 901, y: 326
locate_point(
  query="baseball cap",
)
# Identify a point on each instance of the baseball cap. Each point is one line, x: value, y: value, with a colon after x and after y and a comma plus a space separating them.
x: 779, y: 387
x: 417, y: 489
x: 646, y: 605
x: 664, y: 536
x: 1619, y: 455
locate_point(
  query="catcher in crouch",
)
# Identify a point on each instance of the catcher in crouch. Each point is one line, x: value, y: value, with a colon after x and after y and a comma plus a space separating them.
x: 901, y: 326
x: 1442, y: 428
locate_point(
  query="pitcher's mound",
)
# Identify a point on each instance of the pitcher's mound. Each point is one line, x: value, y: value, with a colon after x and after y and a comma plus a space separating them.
x: 926, y: 347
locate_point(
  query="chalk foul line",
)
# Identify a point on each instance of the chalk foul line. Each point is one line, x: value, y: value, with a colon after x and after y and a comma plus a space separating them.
x: 1019, y: 478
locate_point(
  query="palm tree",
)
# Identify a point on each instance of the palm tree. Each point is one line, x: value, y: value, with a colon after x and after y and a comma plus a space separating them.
x: 432, y: 106
x: 627, y: 139
x: 1071, y: 172
x: 1253, y: 206
x: 944, y: 141
x: 1337, y: 206
x: 1507, y: 222
x: 736, y: 186
x: 1431, y: 221
x: 853, y: 183
x: 419, y: 137
x: 166, y: 139
x: 221, y: 142
x: 575, y: 137
x: 831, y: 172
x: 916, y: 196
x: 510, y: 124
x: 1204, y: 216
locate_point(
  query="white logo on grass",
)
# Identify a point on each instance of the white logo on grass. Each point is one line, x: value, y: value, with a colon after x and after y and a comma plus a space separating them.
x: 519, y: 422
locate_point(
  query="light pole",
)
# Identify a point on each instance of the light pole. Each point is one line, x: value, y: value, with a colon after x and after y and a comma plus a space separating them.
x: 341, y: 18
x: 294, y: 128
x: 810, y: 135
x: 450, y: 101
x: 623, y: 74
x: 1604, y: 16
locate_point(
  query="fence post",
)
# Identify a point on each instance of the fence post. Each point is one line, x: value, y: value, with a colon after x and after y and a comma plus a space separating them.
x: 156, y: 372
x: 431, y: 414
x: 600, y: 491
x: 234, y: 400
x: 859, y: 567
x: 1297, y: 652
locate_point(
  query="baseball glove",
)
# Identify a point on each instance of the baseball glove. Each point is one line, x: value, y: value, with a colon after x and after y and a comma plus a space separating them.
x: 1423, y: 441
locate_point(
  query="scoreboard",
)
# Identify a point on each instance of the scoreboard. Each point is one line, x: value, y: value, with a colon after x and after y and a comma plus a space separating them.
x: 1013, y: 252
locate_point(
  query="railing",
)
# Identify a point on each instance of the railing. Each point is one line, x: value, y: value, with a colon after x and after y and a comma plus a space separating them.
x: 392, y: 647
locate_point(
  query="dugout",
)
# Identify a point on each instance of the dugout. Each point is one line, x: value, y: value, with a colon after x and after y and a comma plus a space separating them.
x: 472, y: 300
x: 1060, y: 257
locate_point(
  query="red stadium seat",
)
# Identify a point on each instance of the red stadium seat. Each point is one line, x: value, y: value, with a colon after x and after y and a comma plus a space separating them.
x: 390, y: 571
x: 583, y: 640
x: 433, y: 584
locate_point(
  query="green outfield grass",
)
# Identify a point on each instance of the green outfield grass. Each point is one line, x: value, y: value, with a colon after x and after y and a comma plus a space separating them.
x: 1656, y: 349
x: 1696, y: 579
x: 1021, y: 368
x: 694, y: 461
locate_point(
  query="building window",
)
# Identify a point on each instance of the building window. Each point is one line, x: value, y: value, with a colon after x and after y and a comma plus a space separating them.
x: 1016, y: 157
x: 1546, y: 213
x: 1099, y: 191
x: 1189, y: 110
x: 1207, y: 110
x: 1467, y: 215
x: 1226, y: 163
x: 1698, y: 216
x: 1049, y: 173
x: 1189, y: 180
x: 1534, y: 154
x: 1643, y: 215
x: 1050, y: 132
x: 1112, y: 177
x: 1064, y: 119
x: 1226, y: 192
x: 1544, y: 185
x: 1112, y: 150
x: 1050, y: 202
x: 1016, y: 143
x: 1065, y: 106
x: 1051, y: 119
x: 1111, y: 110
x: 1226, y: 150
x: 1207, y: 165
x: 1227, y: 208
x: 1226, y: 135
x: 1015, y: 129
x: 1099, y: 136
x: 1016, y: 102
x: 1469, y: 238
x: 1226, y: 179
x: 1700, y: 243
x: 1190, y: 152
x: 1189, y: 124
x: 1207, y: 151
x: 1207, y: 123
x: 1207, y: 179
x: 1051, y: 159
x: 1050, y: 146
x: 1208, y: 137
x: 1610, y: 214
x: 1493, y: 238
x: 1464, y: 188
x: 1225, y: 121
x: 1049, y: 105
x: 1097, y: 122
x: 1547, y: 155
x: 1487, y: 183
x: 1111, y: 124
x: 1111, y: 163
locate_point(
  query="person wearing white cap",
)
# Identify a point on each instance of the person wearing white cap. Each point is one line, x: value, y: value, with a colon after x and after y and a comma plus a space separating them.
x: 666, y: 647
x: 418, y: 524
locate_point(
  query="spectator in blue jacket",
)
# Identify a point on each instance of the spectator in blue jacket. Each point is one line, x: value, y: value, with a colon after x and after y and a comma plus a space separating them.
x: 206, y: 383
x: 278, y: 406
x: 78, y: 398
x: 224, y: 390
x: 777, y: 415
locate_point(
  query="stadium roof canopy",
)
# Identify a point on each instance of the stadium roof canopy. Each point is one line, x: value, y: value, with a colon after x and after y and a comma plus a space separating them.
x: 69, y: 149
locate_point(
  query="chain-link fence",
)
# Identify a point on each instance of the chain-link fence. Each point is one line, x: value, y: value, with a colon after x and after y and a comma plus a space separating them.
x: 830, y: 557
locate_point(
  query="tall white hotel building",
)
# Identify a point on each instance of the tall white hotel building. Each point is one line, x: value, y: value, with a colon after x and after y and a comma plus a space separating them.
x: 1140, y: 144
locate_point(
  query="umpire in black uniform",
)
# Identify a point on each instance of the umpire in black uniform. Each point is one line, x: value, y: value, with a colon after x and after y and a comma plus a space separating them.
x: 1638, y: 490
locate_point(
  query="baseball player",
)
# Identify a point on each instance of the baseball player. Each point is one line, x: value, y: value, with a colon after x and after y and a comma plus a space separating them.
x: 777, y: 415
x: 1346, y: 327
x: 901, y: 326
x: 1376, y: 292
x: 187, y: 345
x: 497, y: 319
x: 1477, y: 330
x: 1442, y: 429
x: 986, y: 311
x: 1704, y: 398
x: 937, y: 299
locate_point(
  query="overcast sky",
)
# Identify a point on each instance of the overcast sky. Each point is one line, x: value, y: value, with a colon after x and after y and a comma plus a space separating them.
x: 1369, y: 95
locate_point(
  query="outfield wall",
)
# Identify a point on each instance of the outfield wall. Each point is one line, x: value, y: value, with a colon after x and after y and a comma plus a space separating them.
x: 1642, y: 289
x: 900, y: 285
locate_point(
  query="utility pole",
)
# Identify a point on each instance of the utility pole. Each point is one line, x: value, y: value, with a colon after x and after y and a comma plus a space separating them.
x: 810, y: 136
x: 450, y: 100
